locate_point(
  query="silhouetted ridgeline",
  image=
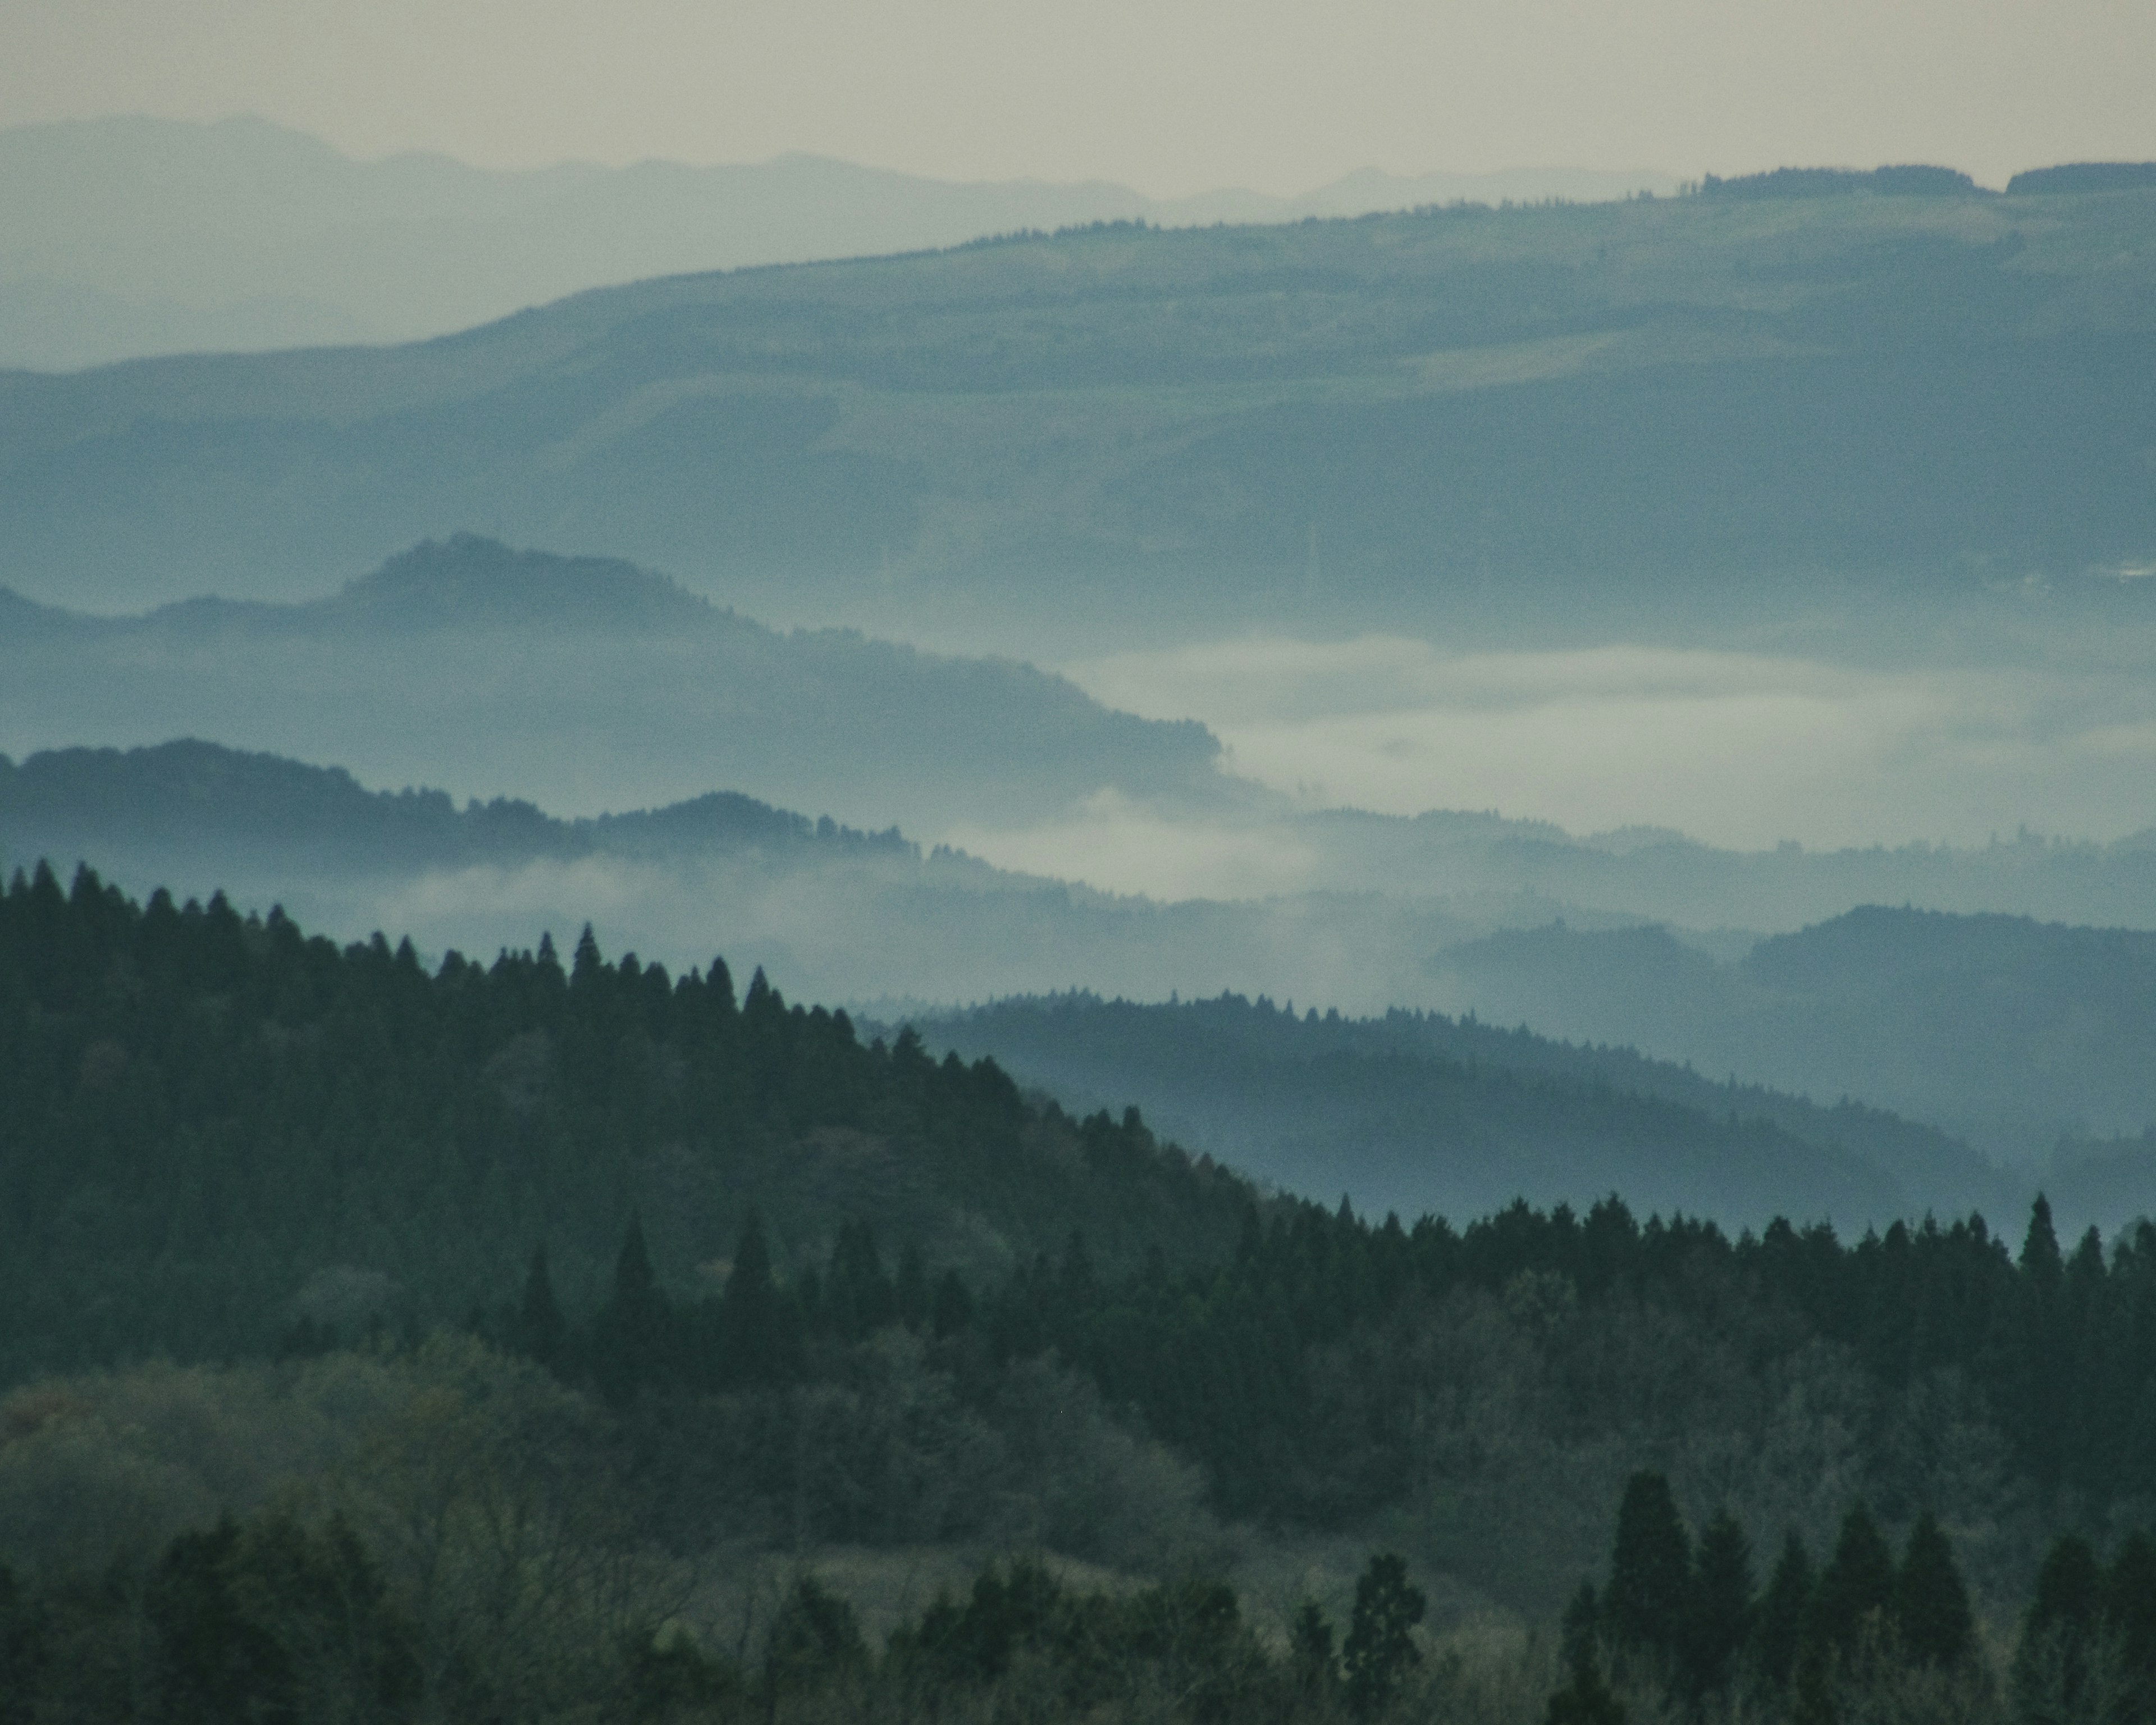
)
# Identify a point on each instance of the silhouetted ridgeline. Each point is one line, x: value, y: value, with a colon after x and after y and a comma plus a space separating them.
x: 186, y: 796
x: 590, y: 683
x: 1916, y: 180
x: 2086, y: 177
x: 2009, y: 1031
x: 1419, y: 1113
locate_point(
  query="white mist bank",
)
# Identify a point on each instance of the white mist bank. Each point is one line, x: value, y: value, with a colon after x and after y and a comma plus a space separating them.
x: 1741, y: 750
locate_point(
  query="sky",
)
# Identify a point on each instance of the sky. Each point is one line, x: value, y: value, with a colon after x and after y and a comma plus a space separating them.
x: 1170, y: 96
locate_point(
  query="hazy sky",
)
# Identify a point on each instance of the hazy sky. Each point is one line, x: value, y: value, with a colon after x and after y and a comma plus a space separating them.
x: 1169, y: 95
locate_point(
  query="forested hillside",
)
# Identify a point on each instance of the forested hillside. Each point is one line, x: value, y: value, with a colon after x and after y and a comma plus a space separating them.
x: 1460, y: 412
x: 1419, y: 1112
x: 600, y: 1282
x: 211, y: 1125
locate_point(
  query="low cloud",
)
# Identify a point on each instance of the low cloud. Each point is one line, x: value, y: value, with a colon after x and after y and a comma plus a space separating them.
x: 1739, y: 749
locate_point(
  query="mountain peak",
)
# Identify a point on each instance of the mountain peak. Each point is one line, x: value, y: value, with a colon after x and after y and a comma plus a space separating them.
x: 470, y: 579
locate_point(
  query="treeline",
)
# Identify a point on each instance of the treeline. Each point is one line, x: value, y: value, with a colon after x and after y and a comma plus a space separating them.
x: 1867, y: 1636
x: 273, y: 1619
x: 213, y: 1126
x: 1240, y: 1363
x: 362, y: 1610
x: 200, y: 794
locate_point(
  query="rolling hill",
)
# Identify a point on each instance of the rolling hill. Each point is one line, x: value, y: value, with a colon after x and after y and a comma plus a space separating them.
x: 1417, y: 1112
x: 590, y: 683
x: 2012, y: 1033
x: 129, y: 235
x: 1713, y: 405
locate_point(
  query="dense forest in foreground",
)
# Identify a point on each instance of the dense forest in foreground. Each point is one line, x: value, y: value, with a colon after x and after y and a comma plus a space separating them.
x: 536, y: 1339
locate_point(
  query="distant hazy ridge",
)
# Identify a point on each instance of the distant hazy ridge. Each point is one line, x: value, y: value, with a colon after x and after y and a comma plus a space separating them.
x: 1760, y: 403
x: 125, y: 236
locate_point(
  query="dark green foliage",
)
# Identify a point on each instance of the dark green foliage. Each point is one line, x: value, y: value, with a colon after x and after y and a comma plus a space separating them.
x: 1720, y: 1618
x: 2129, y: 1619
x: 1931, y: 1604
x: 1585, y: 1697
x: 1315, y: 1665
x: 217, y: 1663
x: 22, y: 1650
x: 2054, y: 1663
x: 1186, y: 1640
x: 1380, y: 1645
x: 815, y: 1636
x: 759, y: 1329
x: 634, y: 1336
x: 1855, y: 1598
x: 1777, y: 1627
x: 1647, y: 1604
x: 200, y: 1112
x: 269, y: 1622
x: 541, y: 1331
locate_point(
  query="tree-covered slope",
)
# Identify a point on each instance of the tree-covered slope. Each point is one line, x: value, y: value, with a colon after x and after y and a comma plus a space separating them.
x: 1421, y: 1113
x: 203, y: 1118
x: 1458, y: 407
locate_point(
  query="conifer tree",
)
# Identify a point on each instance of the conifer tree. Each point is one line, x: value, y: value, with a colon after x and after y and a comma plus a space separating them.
x: 1777, y: 1627
x: 755, y: 1345
x: 2129, y: 1624
x: 1720, y: 1618
x: 1855, y: 1592
x: 1585, y: 1697
x: 1647, y: 1603
x: 1931, y: 1605
x: 2053, y: 1661
x: 541, y: 1331
x: 911, y: 1288
x: 1312, y: 1662
x: 1380, y: 1645
x: 631, y: 1333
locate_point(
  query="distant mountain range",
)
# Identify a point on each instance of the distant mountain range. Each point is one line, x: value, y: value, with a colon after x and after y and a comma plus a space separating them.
x: 2011, y: 1033
x: 1638, y: 413
x: 591, y: 683
x: 131, y: 236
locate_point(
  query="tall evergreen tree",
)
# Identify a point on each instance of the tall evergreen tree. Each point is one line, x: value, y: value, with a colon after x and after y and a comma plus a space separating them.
x: 541, y: 1331
x: 2053, y: 1660
x: 1380, y: 1645
x: 1777, y: 1627
x: 1647, y: 1603
x: 2129, y: 1621
x: 1720, y: 1618
x: 757, y: 1341
x: 632, y: 1334
x: 1856, y: 1593
x: 1931, y: 1605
